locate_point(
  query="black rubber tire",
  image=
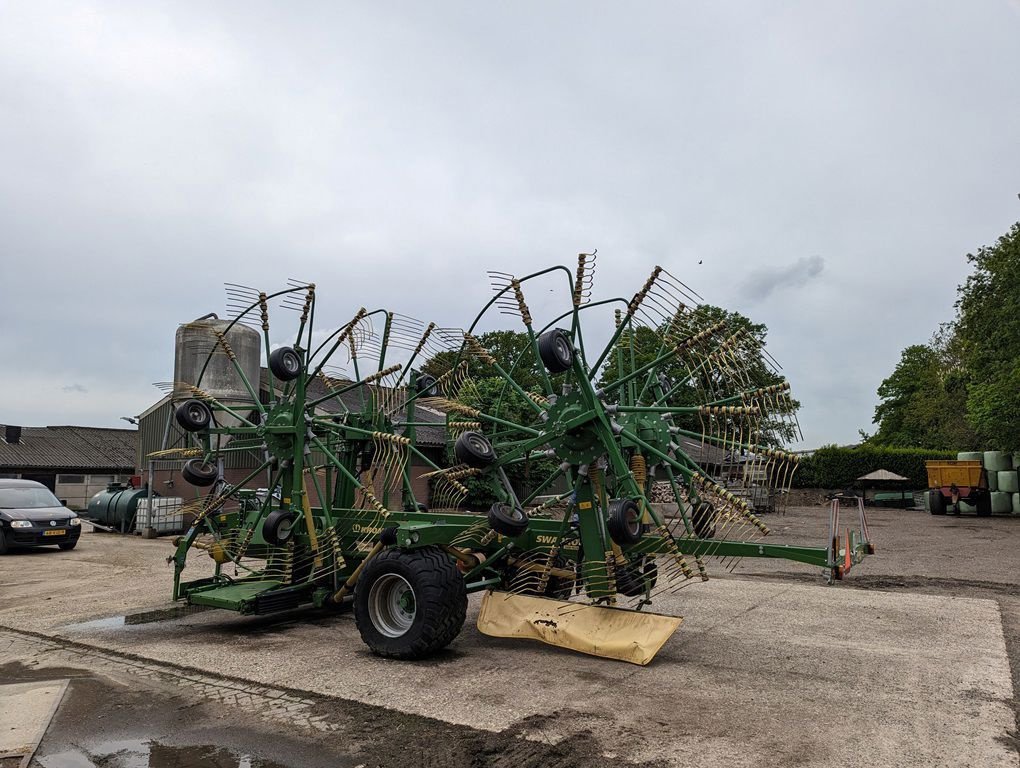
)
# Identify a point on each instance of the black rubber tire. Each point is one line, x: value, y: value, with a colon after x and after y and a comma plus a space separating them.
x: 556, y: 350
x: 624, y: 522
x: 633, y: 579
x: 285, y: 363
x: 983, y: 503
x: 474, y: 449
x: 193, y: 415
x: 507, y: 520
x: 4, y: 548
x: 198, y: 473
x: 936, y: 503
x: 67, y: 546
x: 703, y: 520
x: 278, y: 527
x: 440, y: 602
x: 426, y: 385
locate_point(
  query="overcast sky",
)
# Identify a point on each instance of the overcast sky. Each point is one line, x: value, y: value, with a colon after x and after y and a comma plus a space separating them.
x: 829, y: 164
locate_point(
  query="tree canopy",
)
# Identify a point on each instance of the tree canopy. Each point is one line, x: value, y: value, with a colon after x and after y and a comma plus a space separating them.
x: 962, y: 390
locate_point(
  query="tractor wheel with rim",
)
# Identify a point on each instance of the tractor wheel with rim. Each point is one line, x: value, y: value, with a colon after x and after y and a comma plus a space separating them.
x: 507, y: 520
x: 198, y: 473
x: 278, y: 527
x: 703, y: 520
x: 633, y: 579
x: 624, y: 523
x: 936, y: 503
x: 426, y: 385
x: 556, y: 350
x: 408, y: 604
x: 474, y: 449
x: 285, y: 363
x: 193, y: 415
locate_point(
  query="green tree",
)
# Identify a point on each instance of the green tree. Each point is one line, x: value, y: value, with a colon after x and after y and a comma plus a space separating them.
x: 923, y: 401
x: 488, y: 392
x: 701, y: 386
x: 988, y: 326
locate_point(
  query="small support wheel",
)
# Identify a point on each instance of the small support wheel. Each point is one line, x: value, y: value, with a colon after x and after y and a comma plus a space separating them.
x: 633, y: 579
x: 426, y: 386
x: 703, y: 520
x: 193, y: 415
x: 507, y: 520
x: 556, y: 350
x: 624, y: 523
x: 278, y: 527
x: 474, y: 449
x: 408, y: 604
x: 285, y: 363
x: 198, y: 472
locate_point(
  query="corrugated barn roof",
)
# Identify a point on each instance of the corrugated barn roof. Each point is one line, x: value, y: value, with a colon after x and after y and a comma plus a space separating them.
x: 69, y: 447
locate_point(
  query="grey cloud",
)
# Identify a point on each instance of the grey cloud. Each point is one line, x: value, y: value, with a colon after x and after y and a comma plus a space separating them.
x: 394, y: 153
x: 75, y: 388
x: 764, y: 282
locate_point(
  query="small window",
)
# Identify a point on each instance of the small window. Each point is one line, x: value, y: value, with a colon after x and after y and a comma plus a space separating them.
x: 9, y: 476
x: 101, y: 479
x: 71, y: 479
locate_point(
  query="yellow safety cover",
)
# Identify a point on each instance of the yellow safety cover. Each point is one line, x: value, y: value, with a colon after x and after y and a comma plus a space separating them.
x: 612, y: 633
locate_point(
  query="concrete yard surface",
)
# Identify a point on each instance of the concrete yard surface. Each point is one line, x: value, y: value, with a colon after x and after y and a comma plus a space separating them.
x: 768, y: 669
x: 25, y: 713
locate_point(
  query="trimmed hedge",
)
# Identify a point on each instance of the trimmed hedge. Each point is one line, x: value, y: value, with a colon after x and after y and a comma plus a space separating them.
x: 835, y: 467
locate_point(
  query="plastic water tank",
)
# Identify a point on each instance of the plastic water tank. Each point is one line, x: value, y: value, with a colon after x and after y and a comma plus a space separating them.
x: 116, y: 505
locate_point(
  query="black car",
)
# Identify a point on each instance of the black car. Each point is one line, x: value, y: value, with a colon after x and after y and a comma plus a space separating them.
x: 31, y: 516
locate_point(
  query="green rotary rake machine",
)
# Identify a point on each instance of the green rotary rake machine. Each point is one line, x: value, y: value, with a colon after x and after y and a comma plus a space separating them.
x: 652, y: 446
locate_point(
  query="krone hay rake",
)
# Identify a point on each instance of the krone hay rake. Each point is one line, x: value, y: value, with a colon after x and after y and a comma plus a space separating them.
x: 641, y: 459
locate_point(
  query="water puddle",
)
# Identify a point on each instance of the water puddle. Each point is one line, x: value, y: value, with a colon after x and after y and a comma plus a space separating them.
x: 152, y: 754
x: 133, y: 619
x: 109, y: 622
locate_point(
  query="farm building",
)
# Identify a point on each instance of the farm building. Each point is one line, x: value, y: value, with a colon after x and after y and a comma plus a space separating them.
x: 158, y: 431
x: 73, y: 462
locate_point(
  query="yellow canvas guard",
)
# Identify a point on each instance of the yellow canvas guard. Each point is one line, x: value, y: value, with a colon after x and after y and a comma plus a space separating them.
x: 612, y: 633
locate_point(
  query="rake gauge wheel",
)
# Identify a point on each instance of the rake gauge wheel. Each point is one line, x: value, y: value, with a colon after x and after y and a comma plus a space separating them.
x: 285, y: 363
x: 703, y: 520
x: 633, y: 579
x: 193, y: 415
x: 199, y: 473
x: 507, y: 520
x: 474, y: 449
x: 556, y: 350
x: 426, y: 385
x: 278, y: 527
x: 624, y: 523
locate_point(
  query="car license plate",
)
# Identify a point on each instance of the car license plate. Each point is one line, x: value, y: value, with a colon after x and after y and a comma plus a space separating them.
x: 55, y: 532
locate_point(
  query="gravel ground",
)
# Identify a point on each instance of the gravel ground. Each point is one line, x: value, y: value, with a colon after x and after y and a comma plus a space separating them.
x: 913, y: 660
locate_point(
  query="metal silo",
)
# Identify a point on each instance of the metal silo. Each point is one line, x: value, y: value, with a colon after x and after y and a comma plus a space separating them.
x: 200, y: 360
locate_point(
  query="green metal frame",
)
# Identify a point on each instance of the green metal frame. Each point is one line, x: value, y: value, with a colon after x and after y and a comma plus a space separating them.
x: 575, y: 422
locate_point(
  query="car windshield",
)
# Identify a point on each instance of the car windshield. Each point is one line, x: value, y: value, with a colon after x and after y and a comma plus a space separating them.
x: 27, y: 498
